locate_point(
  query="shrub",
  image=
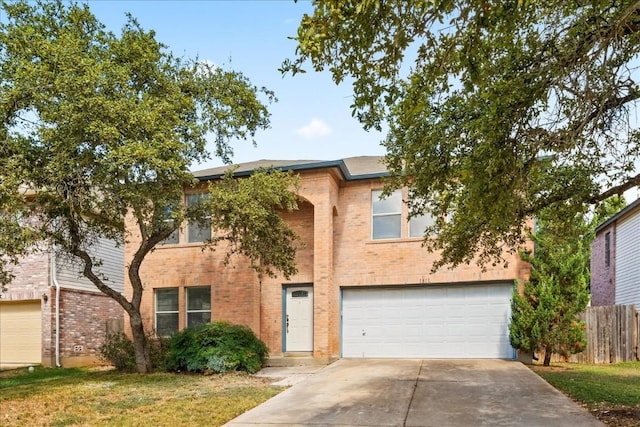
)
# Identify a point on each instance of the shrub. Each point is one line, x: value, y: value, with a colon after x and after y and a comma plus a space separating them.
x: 216, y: 347
x: 118, y: 351
x: 159, y: 353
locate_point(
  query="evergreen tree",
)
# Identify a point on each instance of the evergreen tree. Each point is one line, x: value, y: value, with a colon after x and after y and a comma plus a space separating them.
x: 545, y: 315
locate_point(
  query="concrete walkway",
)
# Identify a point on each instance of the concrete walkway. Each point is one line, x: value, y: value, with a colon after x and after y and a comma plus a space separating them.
x: 375, y: 392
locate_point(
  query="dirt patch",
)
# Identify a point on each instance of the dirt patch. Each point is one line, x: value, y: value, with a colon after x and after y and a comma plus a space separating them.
x: 619, y: 416
x: 543, y: 368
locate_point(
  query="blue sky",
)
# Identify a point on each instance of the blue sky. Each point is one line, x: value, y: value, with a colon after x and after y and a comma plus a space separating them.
x: 312, y: 119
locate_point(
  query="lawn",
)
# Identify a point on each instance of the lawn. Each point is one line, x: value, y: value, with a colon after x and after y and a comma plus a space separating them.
x: 610, y: 392
x: 73, y: 397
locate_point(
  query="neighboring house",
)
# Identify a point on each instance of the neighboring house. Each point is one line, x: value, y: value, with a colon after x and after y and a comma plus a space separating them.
x: 51, y: 315
x: 615, y: 259
x: 364, y: 286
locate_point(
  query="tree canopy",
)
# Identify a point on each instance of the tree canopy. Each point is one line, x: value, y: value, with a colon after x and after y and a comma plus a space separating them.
x: 496, y: 110
x: 99, y: 126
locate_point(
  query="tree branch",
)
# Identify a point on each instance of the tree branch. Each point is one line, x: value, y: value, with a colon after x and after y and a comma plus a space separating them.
x: 617, y: 190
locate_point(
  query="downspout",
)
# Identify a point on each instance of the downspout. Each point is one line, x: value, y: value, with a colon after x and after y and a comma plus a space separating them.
x: 54, y: 281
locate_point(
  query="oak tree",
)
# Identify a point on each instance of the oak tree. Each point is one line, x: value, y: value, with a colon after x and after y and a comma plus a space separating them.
x: 98, y: 127
x: 496, y: 110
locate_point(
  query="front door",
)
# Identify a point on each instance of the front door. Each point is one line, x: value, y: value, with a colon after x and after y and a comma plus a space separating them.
x: 298, y: 319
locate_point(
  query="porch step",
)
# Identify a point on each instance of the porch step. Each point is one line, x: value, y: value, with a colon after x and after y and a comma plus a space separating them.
x: 298, y: 359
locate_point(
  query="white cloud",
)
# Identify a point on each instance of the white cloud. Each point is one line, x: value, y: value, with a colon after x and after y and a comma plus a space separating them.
x: 315, y: 128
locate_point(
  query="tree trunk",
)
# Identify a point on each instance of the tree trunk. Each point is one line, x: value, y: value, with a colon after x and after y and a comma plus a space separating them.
x: 140, y: 343
x: 547, y: 356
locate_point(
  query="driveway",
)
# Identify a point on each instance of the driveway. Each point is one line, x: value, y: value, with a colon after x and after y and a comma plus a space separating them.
x: 377, y: 392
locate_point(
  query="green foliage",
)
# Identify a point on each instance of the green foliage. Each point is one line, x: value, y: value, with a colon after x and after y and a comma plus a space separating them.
x: 118, y: 351
x: 246, y: 213
x: 97, y: 127
x: 216, y: 347
x: 496, y: 110
x: 595, y: 385
x: 544, y: 317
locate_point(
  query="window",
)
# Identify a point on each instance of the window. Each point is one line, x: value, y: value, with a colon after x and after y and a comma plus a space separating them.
x: 607, y: 249
x: 198, y: 306
x: 418, y: 224
x: 197, y: 231
x: 173, y: 238
x: 386, y: 215
x: 166, y: 311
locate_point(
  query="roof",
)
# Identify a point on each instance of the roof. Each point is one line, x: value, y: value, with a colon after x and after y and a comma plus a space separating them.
x: 352, y: 168
x: 617, y: 216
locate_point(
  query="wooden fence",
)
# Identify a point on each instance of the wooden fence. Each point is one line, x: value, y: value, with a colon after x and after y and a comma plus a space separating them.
x: 612, y: 334
x: 114, y: 326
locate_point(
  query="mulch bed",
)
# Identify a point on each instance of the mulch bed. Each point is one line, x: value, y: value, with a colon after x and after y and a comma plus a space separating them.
x: 619, y: 416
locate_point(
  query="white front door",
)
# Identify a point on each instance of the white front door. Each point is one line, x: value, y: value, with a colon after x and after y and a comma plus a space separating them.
x: 299, y: 319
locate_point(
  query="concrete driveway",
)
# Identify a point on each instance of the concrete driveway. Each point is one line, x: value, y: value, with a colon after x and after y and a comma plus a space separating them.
x: 376, y: 392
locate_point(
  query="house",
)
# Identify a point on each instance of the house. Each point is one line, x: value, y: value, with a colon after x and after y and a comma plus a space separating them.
x: 615, y: 263
x: 364, y: 286
x: 51, y: 315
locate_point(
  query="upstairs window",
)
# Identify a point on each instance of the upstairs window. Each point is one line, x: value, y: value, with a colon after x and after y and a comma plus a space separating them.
x: 197, y: 231
x: 386, y: 215
x: 418, y: 224
x: 174, y: 237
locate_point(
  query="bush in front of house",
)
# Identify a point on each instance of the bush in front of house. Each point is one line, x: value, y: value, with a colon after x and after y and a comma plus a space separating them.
x: 118, y: 351
x: 218, y: 347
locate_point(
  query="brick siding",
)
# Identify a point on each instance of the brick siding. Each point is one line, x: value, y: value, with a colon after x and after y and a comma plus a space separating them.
x: 83, y: 314
x: 603, y: 289
x: 334, y: 221
x: 83, y: 320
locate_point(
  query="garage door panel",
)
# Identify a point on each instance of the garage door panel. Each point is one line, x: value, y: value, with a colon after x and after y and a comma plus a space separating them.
x: 20, y: 332
x: 431, y: 322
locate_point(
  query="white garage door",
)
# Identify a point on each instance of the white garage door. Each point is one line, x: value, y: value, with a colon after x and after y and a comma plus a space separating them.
x: 20, y: 333
x: 427, y: 322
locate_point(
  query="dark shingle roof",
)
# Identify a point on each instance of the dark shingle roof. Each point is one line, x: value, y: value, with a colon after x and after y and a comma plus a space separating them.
x: 352, y: 168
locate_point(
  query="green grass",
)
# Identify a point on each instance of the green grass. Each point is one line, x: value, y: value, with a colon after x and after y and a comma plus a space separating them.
x: 73, y: 397
x: 617, y: 384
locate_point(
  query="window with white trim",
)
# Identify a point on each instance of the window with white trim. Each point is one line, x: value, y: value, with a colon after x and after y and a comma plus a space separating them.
x: 418, y: 224
x: 198, y: 306
x: 174, y: 237
x: 197, y: 231
x: 386, y: 215
x: 167, y: 311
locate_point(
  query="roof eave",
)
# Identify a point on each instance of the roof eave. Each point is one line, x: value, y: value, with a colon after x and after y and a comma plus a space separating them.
x: 340, y: 164
x: 617, y: 216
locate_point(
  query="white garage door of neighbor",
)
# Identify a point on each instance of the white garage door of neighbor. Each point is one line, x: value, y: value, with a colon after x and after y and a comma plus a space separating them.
x: 20, y: 333
x: 427, y: 322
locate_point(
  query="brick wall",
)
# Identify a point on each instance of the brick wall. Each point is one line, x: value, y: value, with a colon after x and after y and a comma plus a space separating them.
x: 31, y: 278
x: 83, y: 319
x: 361, y: 261
x: 603, y: 289
x: 334, y: 221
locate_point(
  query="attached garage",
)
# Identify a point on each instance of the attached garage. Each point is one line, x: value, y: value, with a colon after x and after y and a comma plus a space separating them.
x: 20, y: 333
x: 449, y: 321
